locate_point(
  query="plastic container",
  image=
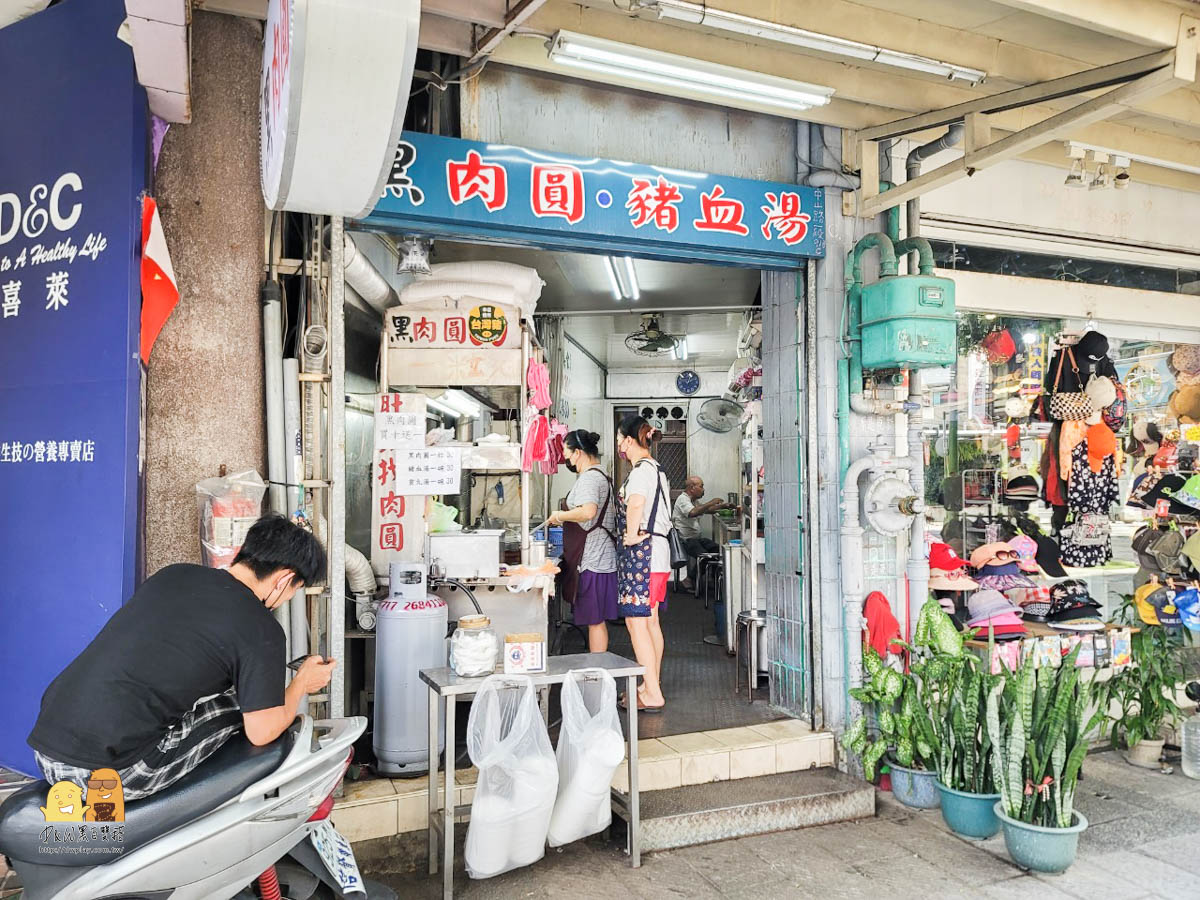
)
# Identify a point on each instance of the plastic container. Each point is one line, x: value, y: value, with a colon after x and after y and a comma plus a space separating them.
x: 970, y: 815
x: 915, y: 788
x: 474, y: 647
x: 1191, y: 746
x: 1041, y: 849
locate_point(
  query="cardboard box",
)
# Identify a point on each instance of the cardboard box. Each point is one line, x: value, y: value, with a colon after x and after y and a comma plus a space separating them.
x: 524, y: 653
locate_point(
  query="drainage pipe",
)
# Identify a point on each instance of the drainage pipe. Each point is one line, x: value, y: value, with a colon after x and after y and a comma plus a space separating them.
x: 912, y: 167
x: 917, y: 568
x: 272, y: 319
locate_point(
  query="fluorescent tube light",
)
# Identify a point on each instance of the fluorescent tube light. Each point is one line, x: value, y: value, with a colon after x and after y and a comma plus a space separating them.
x: 703, y: 14
x: 442, y: 407
x: 614, y: 283
x: 630, y: 285
x: 653, y: 67
x: 461, y: 403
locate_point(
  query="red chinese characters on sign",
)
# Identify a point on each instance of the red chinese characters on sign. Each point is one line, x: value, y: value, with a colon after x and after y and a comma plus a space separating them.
x: 721, y: 213
x: 424, y: 330
x: 391, y: 536
x: 475, y: 178
x: 391, y: 505
x: 387, y: 467
x: 654, y: 201
x: 785, y: 218
x: 556, y: 190
x: 456, y: 331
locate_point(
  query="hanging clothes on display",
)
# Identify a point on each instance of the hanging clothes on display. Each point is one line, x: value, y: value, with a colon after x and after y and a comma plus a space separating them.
x: 1091, y: 492
x: 554, y: 447
x: 537, y: 438
x: 537, y: 377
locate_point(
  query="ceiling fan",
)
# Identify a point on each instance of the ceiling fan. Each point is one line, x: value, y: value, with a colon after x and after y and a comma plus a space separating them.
x: 650, y: 339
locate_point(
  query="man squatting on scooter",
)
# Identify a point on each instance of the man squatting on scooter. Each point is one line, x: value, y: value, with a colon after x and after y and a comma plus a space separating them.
x: 193, y: 658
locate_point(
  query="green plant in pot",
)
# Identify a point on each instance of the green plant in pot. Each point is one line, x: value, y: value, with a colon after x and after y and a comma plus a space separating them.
x: 1145, y: 692
x: 903, y: 708
x: 1038, y: 723
x: 965, y: 762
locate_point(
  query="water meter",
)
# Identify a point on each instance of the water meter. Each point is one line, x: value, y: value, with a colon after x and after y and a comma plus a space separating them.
x: 908, y: 321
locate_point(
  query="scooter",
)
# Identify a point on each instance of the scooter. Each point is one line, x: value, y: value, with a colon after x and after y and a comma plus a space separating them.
x: 245, y: 816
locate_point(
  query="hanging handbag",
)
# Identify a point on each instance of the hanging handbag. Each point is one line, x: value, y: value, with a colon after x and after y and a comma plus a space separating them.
x: 1115, y: 413
x: 679, y: 554
x: 1068, y: 405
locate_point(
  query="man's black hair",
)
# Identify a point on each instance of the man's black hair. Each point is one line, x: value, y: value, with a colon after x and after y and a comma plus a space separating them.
x: 275, y: 543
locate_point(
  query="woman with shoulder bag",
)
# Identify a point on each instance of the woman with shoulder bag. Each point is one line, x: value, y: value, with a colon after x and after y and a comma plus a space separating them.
x: 589, y: 538
x: 644, y: 559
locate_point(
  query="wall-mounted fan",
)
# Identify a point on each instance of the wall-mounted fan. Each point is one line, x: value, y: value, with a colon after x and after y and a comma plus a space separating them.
x: 719, y: 415
x: 650, y: 339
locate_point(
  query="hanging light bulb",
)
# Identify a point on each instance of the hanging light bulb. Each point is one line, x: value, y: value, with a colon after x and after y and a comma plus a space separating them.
x: 1075, y: 176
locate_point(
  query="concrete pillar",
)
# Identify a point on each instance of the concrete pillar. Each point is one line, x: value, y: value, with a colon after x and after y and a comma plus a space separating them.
x: 205, y: 383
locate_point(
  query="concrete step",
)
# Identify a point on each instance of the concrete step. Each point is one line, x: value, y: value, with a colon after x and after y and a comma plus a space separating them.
x: 702, y: 813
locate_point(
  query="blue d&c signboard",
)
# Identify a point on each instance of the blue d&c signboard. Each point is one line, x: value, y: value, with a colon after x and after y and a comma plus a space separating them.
x: 72, y: 167
x: 445, y: 187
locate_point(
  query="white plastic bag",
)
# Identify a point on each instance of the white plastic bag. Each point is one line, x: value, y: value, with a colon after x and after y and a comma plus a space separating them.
x: 518, y: 779
x: 590, y: 747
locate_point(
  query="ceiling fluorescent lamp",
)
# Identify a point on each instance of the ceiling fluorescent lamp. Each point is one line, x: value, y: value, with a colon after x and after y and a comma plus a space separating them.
x: 442, y: 407
x: 614, y: 284
x: 461, y: 403
x: 703, y: 14
x: 692, y: 76
x: 630, y: 286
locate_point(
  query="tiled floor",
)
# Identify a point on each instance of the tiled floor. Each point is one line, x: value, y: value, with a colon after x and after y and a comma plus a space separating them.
x: 381, y: 807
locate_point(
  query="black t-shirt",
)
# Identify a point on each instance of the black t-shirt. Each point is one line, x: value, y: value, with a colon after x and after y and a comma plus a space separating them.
x: 187, y: 633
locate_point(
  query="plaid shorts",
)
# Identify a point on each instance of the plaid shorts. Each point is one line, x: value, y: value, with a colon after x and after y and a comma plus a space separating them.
x: 187, y: 743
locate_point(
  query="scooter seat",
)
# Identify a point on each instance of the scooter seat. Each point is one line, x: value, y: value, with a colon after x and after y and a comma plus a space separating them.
x: 25, y: 834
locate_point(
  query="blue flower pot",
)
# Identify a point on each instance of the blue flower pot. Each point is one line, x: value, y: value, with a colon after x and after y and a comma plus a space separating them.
x: 914, y: 787
x: 970, y: 815
x: 1041, y: 849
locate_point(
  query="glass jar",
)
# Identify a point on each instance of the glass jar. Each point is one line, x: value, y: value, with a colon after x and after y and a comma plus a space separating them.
x: 473, y: 647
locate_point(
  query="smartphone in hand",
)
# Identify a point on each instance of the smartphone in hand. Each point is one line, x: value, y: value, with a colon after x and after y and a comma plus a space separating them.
x: 295, y: 664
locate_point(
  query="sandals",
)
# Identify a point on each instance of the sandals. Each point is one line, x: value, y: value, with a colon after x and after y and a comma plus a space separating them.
x: 641, y: 707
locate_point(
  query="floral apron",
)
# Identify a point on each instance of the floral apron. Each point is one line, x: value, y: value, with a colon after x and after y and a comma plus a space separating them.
x: 633, y: 567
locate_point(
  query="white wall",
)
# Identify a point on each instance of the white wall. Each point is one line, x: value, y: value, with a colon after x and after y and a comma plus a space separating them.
x: 653, y: 384
x: 582, y: 388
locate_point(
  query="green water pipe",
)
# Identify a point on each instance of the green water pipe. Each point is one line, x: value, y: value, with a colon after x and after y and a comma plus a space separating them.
x: 893, y: 214
x: 850, y: 368
x: 924, y: 253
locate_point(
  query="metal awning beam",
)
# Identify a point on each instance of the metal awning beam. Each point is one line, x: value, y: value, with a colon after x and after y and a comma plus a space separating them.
x: 1092, y: 79
x: 517, y: 16
x: 1177, y: 70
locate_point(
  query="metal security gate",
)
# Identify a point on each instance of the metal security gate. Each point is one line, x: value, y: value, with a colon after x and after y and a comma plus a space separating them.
x: 789, y: 620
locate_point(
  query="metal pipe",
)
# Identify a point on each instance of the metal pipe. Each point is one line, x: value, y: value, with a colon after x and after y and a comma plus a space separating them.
x: 272, y: 317
x: 336, y: 621
x: 912, y: 168
x: 918, y: 566
x: 924, y: 252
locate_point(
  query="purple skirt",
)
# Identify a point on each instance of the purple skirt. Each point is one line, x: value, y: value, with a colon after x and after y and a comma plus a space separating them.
x: 596, y: 598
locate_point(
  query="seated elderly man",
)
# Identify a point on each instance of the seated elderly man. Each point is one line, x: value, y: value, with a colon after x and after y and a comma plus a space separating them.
x: 684, y: 516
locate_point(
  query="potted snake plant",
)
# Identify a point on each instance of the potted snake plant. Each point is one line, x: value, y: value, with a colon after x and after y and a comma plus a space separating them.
x: 965, y: 774
x: 1038, y: 724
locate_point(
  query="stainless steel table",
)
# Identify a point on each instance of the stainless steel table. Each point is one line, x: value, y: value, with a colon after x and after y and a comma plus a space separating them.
x: 445, y: 688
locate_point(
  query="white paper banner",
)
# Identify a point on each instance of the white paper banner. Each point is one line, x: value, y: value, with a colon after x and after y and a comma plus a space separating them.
x: 434, y: 470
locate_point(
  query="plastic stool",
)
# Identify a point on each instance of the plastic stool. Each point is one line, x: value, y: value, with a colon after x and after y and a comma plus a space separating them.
x: 750, y: 621
x: 705, y: 565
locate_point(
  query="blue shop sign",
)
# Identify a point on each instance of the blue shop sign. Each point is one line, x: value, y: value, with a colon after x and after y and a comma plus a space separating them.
x: 72, y: 168
x: 448, y: 187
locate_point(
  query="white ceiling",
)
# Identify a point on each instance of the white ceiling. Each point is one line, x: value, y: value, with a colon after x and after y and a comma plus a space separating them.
x: 578, y: 282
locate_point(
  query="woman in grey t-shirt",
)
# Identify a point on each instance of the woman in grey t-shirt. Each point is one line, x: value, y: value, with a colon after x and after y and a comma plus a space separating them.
x: 589, y: 537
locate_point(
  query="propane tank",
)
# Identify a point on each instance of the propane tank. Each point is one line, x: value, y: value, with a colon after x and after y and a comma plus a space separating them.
x: 410, y: 635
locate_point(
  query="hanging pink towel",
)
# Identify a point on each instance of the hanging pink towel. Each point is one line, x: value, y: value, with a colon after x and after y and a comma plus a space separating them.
x: 536, y: 440
x: 537, y: 378
x: 554, y: 446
